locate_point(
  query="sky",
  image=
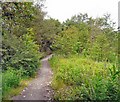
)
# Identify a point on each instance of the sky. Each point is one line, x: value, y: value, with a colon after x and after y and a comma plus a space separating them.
x: 64, y: 9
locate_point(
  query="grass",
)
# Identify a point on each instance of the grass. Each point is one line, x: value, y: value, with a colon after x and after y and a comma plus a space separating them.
x: 16, y: 91
x: 78, y: 78
x: 14, y: 81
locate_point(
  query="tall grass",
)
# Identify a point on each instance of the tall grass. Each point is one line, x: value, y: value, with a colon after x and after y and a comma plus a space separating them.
x: 77, y: 78
x: 13, y: 82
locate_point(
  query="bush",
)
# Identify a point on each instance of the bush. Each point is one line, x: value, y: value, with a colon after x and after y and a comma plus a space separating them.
x: 21, y: 52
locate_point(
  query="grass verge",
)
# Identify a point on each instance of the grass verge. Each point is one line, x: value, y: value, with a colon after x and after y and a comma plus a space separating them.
x: 79, y: 78
x: 16, y: 91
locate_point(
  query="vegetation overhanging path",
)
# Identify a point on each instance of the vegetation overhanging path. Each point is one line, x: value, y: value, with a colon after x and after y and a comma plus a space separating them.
x: 39, y: 88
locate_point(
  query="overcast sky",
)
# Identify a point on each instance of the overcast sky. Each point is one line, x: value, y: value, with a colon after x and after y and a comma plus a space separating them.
x: 63, y: 9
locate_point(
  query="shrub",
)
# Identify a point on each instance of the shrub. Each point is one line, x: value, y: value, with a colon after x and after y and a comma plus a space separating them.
x: 21, y: 52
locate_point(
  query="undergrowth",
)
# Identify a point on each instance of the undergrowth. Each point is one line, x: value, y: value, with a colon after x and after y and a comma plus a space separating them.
x: 78, y: 78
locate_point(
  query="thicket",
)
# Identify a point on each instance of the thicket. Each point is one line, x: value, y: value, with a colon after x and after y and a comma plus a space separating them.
x: 91, y: 37
x: 89, y: 66
x: 20, y: 51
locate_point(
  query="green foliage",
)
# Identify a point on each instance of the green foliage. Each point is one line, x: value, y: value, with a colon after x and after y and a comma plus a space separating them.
x: 15, y: 16
x: 11, y: 79
x: 20, y: 50
x: 26, y: 32
x: 84, y: 79
x: 65, y: 41
x: 93, y: 38
x: 21, y: 53
x: 46, y: 32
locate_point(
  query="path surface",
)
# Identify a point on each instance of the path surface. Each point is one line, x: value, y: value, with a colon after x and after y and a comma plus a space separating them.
x: 39, y: 88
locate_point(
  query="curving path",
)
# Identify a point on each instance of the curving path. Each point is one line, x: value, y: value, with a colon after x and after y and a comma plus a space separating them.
x: 39, y: 88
